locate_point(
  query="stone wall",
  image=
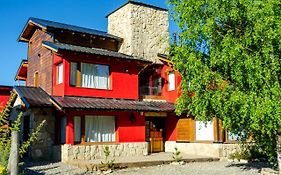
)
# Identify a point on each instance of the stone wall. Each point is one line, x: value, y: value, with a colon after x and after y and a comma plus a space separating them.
x: 92, y: 152
x: 43, y: 148
x: 205, y: 149
x: 144, y: 30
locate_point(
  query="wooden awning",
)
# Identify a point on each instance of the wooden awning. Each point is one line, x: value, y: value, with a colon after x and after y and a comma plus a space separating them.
x: 22, y: 71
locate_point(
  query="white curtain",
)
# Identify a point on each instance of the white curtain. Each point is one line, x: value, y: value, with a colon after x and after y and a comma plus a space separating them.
x: 100, y: 128
x: 94, y: 76
x: 60, y: 73
x: 77, y: 128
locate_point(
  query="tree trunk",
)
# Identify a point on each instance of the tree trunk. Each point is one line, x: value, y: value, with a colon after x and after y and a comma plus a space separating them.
x: 14, y: 154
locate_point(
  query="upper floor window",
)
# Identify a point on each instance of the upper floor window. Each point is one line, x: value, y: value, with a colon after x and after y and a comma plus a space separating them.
x: 60, y: 73
x: 89, y: 75
x: 171, y: 81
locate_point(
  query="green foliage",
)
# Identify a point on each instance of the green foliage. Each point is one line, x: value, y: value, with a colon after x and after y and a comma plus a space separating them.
x: 177, y: 155
x: 228, y: 56
x: 109, y: 163
x: 247, y: 152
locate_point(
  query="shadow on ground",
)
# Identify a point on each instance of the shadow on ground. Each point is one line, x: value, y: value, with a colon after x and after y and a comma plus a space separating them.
x: 250, y: 165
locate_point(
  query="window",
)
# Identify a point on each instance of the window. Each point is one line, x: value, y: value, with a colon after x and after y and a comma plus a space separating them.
x: 77, y: 129
x: 171, y: 81
x: 36, y: 79
x: 89, y: 75
x: 73, y: 74
x: 99, y: 128
x: 62, y: 129
x: 60, y: 73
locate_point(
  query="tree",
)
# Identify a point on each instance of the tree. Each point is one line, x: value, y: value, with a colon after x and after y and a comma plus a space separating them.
x: 228, y: 55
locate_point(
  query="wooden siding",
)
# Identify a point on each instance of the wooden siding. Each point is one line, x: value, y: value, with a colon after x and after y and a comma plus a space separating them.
x: 40, y: 60
x: 186, y: 129
x: 221, y: 136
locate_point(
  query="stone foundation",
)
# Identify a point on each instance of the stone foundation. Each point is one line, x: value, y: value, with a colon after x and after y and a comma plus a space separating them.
x: 92, y: 152
x: 43, y: 148
x: 205, y: 149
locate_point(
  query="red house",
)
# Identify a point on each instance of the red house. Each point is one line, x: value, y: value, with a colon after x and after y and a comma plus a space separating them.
x: 5, y: 92
x: 96, y: 88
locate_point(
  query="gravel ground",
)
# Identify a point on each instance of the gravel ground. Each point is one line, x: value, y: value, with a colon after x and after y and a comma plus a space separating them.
x: 208, y: 168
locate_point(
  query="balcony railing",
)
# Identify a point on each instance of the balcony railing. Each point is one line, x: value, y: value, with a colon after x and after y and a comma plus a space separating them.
x: 150, y: 91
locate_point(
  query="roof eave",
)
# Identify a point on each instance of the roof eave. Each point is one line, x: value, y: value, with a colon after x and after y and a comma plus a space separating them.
x: 22, y: 62
x: 29, y: 23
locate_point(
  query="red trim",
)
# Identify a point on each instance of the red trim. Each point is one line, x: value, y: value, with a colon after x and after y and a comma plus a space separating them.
x: 69, y: 130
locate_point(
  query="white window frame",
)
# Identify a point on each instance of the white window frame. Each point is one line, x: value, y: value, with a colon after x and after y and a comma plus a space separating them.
x: 171, y: 81
x: 60, y: 73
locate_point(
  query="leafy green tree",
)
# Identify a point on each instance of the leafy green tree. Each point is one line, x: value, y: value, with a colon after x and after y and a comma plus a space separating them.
x: 228, y: 54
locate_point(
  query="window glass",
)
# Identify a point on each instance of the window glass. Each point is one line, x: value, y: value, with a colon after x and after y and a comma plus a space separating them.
x: 94, y: 76
x: 73, y: 76
x: 100, y: 128
x: 77, y: 128
x: 62, y: 129
x: 171, y: 81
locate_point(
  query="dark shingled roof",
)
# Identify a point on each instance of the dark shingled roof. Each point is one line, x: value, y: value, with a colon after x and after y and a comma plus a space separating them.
x: 33, y: 96
x: 46, y: 24
x: 37, y: 97
x: 88, y: 103
x: 95, y: 51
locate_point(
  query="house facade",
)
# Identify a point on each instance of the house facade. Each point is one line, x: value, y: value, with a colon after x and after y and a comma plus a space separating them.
x: 115, y: 88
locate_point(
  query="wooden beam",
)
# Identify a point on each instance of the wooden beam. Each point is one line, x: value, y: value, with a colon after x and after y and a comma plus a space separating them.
x: 155, y: 114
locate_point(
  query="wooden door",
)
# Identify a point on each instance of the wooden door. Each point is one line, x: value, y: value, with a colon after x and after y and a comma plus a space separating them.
x: 154, y: 137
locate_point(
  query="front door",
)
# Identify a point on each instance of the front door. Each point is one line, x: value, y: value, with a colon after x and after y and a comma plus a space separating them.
x: 154, y: 133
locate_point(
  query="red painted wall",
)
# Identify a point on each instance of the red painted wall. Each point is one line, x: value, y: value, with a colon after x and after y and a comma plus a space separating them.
x: 126, y: 130
x: 5, y: 93
x: 69, y: 138
x: 170, y: 96
x: 123, y: 84
x: 170, y: 127
x: 130, y: 131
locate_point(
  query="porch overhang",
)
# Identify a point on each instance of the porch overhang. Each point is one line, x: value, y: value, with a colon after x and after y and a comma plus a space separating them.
x: 90, y: 103
x: 34, y: 97
x: 22, y: 71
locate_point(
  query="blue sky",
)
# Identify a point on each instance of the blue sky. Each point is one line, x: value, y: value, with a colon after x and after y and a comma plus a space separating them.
x: 15, y: 13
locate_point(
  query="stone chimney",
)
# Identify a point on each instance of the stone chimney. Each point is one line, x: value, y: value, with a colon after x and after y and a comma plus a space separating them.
x: 143, y: 27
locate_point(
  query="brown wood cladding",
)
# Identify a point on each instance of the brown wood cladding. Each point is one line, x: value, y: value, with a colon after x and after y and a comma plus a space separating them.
x: 40, y: 60
x: 85, y: 40
x: 186, y: 129
x: 221, y: 136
